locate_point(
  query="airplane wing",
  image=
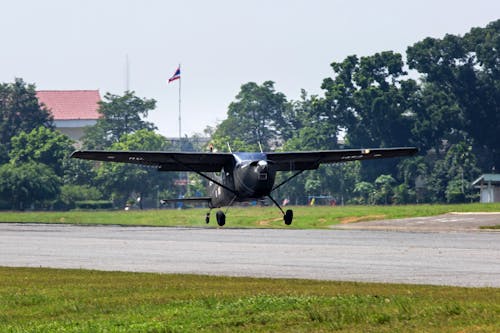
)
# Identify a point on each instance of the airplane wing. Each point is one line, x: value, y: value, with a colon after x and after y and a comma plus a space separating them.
x: 164, y: 161
x: 309, y: 160
x: 213, y: 162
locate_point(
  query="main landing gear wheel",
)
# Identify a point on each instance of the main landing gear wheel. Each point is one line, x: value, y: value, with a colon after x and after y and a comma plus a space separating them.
x: 221, y: 218
x: 288, y: 217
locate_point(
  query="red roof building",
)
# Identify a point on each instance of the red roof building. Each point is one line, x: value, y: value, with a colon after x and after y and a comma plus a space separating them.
x: 72, y: 110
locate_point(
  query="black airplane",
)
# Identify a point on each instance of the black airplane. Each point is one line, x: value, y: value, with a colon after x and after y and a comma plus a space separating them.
x: 241, y: 177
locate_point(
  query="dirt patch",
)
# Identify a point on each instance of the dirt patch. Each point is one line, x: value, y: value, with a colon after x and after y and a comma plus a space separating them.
x: 354, y: 219
x: 268, y: 222
x: 471, y: 222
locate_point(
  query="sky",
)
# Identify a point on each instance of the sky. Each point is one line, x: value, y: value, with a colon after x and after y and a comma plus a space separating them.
x: 220, y: 44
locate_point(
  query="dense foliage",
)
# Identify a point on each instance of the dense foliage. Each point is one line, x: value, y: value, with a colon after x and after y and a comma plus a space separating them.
x: 451, y: 113
x: 444, y: 99
x: 120, y: 115
x: 19, y: 111
x: 37, y: 172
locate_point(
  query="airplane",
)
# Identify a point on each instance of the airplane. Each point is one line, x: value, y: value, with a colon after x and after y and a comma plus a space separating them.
x: 242, y: 176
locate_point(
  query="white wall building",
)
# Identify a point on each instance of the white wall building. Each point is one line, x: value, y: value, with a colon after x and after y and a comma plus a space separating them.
x: 489, y: 185
x: 72, y: 110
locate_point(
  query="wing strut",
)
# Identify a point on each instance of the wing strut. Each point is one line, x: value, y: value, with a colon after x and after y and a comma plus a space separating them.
x: 276, y: 203
x: 288, y: 179
x: 205, y: 176
x: 292, y: 177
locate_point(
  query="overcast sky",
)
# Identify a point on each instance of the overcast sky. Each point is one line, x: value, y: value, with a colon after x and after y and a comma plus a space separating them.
x: 221, y: 44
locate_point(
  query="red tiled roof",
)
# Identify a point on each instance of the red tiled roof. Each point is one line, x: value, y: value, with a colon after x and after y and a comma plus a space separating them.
x: 71, y: 104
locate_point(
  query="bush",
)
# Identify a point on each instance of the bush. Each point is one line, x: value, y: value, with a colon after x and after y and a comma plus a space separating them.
x: 455, y: 191
x: 5, y: 205
x: 70, y: 194
x: 94, y: 204
x: 403, y: 195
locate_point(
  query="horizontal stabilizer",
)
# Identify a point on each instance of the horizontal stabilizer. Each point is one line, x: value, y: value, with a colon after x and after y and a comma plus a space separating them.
x: 195, y: 199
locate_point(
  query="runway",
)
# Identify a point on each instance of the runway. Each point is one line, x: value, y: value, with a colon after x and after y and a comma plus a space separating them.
x: 451, y: 222
x: 453, y: 258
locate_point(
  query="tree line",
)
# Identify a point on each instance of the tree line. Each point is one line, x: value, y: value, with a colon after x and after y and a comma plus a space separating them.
x: 442, y: 96
x: 444, y: 99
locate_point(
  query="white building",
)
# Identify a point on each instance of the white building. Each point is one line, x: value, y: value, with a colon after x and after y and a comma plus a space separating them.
x: 72, y: 110
x: 489, y: 185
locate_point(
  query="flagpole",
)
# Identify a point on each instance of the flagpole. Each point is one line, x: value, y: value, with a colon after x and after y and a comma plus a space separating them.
x: 180, y: 132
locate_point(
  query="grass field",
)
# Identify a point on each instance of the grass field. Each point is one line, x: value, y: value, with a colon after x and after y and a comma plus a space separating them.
x: 50, y: 300
x: 250, y: 217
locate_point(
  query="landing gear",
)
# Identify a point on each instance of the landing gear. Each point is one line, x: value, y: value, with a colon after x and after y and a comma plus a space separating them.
x: 207, y: 217
x: 221, y: 218
x: 288, y: 217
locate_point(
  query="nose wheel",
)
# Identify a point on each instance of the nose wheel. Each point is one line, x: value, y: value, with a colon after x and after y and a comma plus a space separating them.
x: 221, y: 218
x: 288, y: 217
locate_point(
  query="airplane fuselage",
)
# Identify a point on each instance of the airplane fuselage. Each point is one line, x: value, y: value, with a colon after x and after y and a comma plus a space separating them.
x: 250, y: 177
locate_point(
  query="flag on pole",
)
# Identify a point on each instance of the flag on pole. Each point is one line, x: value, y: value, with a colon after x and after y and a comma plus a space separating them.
x: 176, y: 76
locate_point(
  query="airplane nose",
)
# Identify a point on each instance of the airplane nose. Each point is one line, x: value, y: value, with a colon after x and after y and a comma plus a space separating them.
x: 262, y: 169
x: 262, y: 164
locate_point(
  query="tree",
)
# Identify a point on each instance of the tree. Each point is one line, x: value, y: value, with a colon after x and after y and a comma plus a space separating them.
x: 120, y: 115
x: 365, y: 192
x: 255, y: 117
x: 41, y: 145
x: 315, y: 125
x: 33, y: 175
x: 466, y: 70
x: 79, y: 172
x: 438, y: 119
x: 19, y: 111
x: 403, y: 194
x: 311, y: 126
x: 384, y: 189
x: 28, y: 184
x: 450, y: 178
x: 412, y: 171
x: 372, y: 100
x: 122, y: 180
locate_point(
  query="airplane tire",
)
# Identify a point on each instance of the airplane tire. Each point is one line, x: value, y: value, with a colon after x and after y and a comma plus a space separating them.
x: 221, y: 218
x: 288, y: 217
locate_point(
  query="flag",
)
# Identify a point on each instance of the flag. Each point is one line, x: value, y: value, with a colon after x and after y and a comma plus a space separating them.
x: 177, y: 75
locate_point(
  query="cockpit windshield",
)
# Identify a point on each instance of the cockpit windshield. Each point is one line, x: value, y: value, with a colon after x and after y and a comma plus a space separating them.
x: 241, y: 157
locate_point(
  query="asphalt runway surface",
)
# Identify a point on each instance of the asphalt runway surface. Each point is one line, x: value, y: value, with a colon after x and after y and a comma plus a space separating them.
x: 440, y: 258
x: 452, y: 222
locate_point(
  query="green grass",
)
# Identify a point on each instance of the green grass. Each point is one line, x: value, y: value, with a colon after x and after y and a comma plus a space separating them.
x: 51, y: 300
x: 251, y: 217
